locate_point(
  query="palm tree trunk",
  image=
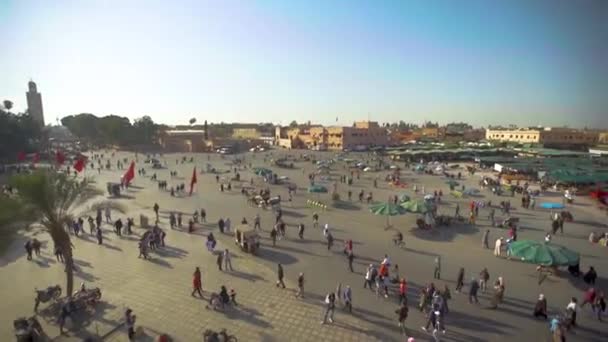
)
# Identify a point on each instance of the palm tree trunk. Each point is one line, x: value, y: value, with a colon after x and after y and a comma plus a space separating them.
x: 61, y: 238
x: 69, y: 270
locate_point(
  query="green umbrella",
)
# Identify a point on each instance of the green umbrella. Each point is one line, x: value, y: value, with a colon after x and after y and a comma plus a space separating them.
x: 404, y: 198
x: 317, y: 189
x: 261, y: 171
x: 387, y: 209
x: 416, y: 206
x: 542, y: 253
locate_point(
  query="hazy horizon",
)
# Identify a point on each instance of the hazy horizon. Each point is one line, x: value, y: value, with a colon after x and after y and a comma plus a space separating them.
x: 523, y: 62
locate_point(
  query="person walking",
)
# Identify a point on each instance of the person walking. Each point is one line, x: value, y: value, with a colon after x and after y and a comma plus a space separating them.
x: 156, y: 207
x: 256, y: 222
x: 402, y: 291
x: 330, y: 241
x: 347, y: 296
x: 29, y: 249
x: 401, y: 317
x: 301, y: 230
x: 437, y: 271
x: 484, y: 239
x: 227, y: 260
x: 484, y: 276
x: 108, y: 215
x: 498, y: 246
x: 473, y: 289
x: 220, y: 256
x: 130, y: 323
x: 350, y: 257
x: 460, y: 279
x: 273, y: 236
x: 368, y: 277
x: 599, y: 305
x: 330, y: 304
x: 280, y: 276
x: 540, y: 309
x: 197, y: 284
x: 99, y: 235
x: 300, y: 292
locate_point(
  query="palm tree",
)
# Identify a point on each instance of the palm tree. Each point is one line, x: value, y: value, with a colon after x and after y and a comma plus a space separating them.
x: 8, y: 105
x: 52, y: 198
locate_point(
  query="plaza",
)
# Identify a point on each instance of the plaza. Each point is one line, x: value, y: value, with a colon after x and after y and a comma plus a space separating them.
x: 158, y: 290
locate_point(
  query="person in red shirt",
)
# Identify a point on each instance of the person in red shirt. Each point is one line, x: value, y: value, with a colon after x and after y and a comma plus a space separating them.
x: 403, y: 291
x: 197, y: 284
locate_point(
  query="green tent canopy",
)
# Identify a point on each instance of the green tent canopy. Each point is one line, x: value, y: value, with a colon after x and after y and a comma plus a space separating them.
x: 542, y: 253
x: 416, y: 206
x: 317, y: 189
x: 387, y: 209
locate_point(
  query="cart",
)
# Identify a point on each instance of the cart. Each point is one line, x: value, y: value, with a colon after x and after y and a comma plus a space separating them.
x: 247, y: 238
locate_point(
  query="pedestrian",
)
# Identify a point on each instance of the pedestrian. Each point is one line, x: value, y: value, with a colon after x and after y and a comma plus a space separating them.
x: 91, y: 225
x: 273, y: 236
x: 338, y: 293
x: 179, y: 219
x: 347, y: 296
x: 401, y: 317
x: 315, y: 220
x: 368, y: 277
x: 495, y: 296
x: 473, y: 289
x: 460, y: 279
x: 156, y: 207
x: 203, y: 215
x: 600, y: 305
x: 590, y: 276
x: 227, y: 225
x: 350, y: 257
x: 280, y: 276
x: 330, y: 241
x: 227, y: 260
x: 540, y: 309
x: 300, y: 292
x: 130, y: 323
x: 485, y: 238
x: 218, y: 260
x: 221, y: 225
x: 108, y: 215
x: 402, y: 291
x: 498, y: 246
x: 301, y: 230
x: 197, y: 284
x: 484, y: 276
x: 28, y: 249
x: 330, y: 304
x: 589, y: 297
x: 256, y: 222
x: 571, y: 309
x: 437, y: 271
x: 36, y: 246
x: 99, y: 234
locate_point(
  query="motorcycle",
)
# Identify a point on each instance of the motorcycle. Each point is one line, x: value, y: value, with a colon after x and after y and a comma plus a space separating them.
x: 43, y: 296
x: 221, y: 336
x: 27, y: 329
x: 85, y: 299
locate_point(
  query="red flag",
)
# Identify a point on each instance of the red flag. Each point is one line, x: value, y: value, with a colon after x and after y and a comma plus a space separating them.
x: 130, y: 174
x: 79, y: 164
x: 193, y: 180
x: 59, y: 157
x: 21, y: 156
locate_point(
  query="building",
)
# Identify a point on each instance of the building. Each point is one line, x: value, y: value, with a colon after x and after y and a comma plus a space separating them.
x: 557, y: 137
x: 34, y: 103
x: 189, y: 140
x: 518, y: 135
x: 360, y: 136
x: 246, y: 133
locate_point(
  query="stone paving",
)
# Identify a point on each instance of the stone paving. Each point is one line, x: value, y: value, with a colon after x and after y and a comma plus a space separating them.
x: 158, y: 290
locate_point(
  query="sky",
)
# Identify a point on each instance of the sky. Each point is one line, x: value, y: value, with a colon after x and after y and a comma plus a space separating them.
x: 524, y: 62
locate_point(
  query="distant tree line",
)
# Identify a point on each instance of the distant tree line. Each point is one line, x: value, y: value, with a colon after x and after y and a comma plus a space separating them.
x: 113, y: 129
x: 18, y: 133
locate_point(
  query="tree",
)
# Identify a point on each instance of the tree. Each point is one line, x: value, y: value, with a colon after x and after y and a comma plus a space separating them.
x: 144, y: 130
x: 18, y: 132
x: 8, y: 105
x: 51, y: 198
x: 293, y: 124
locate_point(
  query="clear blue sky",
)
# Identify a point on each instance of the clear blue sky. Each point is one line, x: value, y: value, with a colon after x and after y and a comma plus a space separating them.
x: 526, y: 62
